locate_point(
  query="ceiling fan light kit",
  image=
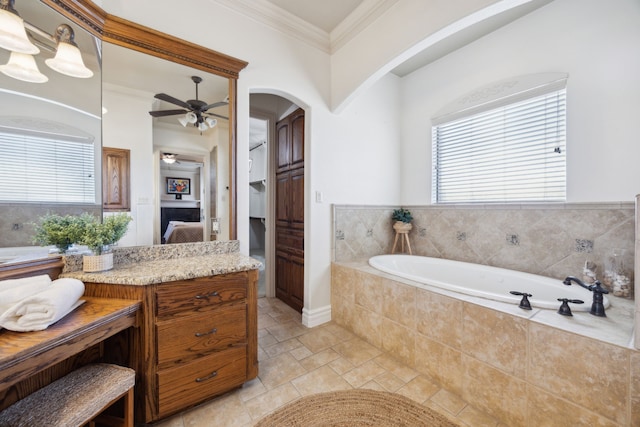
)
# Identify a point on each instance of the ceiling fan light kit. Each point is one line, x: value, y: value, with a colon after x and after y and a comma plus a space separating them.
x: 169, y: 158
x: 194, y: 111
x: 14, y: 37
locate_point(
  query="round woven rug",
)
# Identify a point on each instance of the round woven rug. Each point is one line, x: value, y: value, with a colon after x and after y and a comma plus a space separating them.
x: 354, y: 408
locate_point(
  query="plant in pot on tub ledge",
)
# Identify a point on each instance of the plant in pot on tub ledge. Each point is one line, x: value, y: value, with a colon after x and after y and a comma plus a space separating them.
x: 402, y: 226
x: 402, y: 219
x: 99, y: 237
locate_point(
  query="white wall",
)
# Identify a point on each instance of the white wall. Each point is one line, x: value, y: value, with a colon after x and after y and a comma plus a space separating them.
x: 128, y: 125
x: 597, y: 43
x: 403, y: 30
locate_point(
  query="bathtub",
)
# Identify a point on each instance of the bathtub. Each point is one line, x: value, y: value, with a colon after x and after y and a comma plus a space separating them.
x: 483, y: 281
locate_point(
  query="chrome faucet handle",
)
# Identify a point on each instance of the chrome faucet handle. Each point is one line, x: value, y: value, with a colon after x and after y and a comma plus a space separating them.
x: 564, y: 309
x: 524, y: 302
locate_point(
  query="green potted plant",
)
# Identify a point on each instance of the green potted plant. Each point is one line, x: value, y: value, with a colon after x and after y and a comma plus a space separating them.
x: 99, y: 237
x: 402, y: 218
x: 59, y: 231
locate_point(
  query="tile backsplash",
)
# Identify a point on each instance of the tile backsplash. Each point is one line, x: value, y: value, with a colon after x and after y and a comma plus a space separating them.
x: 552, y: 240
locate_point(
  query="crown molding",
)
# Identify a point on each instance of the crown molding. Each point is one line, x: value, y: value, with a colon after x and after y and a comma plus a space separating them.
x: 363, y: 16
x: 279, y: 19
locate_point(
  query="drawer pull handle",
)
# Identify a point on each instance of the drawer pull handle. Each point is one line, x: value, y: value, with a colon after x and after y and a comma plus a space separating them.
x: 208, y: 377
x: 202, y: 334
x: 210, y: 294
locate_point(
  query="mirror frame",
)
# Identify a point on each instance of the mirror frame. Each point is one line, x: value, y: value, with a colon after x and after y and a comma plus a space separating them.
x: 112, y: 29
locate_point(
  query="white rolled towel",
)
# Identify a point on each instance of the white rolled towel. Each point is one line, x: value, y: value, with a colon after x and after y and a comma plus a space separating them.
x: 14, y: 290
x: 43, y: 309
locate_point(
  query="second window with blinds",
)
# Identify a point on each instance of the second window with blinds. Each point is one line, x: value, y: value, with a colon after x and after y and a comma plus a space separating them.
x: 508, y: 149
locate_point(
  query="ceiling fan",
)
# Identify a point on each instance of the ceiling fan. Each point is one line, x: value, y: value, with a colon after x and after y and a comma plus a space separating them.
x: 170, y: 158
x: 195, y: 111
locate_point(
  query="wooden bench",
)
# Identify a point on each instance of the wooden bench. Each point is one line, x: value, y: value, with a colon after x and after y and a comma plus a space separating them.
x: 76, y: 399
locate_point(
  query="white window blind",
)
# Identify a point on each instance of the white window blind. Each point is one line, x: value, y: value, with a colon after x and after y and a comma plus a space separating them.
x: 46, y: 169
x: 513, y: 153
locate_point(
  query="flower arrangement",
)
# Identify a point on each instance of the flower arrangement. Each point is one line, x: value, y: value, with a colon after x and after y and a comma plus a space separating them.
x: 402, y: 215
x: 98, y: 236
x: 60, y: 231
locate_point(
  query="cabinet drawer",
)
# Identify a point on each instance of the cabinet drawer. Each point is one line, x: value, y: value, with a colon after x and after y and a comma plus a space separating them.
x: 187, y: 338
x: 201, y: 379
x: 200, y: 294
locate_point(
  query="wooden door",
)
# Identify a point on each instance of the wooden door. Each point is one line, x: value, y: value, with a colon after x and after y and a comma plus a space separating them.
x: 290, y: 210
x: 115, y: 180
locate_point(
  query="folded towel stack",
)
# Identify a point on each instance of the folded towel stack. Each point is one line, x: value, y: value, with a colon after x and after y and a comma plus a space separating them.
x: 39, y: 310
x: 14, y: 290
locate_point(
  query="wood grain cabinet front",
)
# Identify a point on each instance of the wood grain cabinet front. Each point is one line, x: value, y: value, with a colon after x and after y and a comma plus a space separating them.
x: 199, y: 339
x: 190, y: 337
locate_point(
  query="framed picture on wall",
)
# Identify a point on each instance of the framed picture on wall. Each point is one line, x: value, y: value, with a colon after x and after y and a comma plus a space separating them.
x: 178, y: 186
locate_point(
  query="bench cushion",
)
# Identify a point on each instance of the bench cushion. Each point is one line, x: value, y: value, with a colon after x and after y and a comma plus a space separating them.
x: 72, y: 400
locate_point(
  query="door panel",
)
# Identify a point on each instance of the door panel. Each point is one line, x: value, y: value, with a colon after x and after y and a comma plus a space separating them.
x: 297, y: 139
x: 290, y: 210
x: 283, y: 155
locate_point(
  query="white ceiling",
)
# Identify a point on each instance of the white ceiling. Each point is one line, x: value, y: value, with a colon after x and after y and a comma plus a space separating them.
x: 325, y: 14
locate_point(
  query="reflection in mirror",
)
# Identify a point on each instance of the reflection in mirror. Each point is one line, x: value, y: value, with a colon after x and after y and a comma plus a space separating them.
x: 156, y: 109
x: 50, y: 132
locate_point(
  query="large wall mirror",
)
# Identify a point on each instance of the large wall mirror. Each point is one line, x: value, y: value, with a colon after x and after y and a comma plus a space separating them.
x: 130, y: 64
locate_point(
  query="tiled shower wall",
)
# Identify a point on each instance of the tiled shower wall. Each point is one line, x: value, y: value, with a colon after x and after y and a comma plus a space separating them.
x: 552, y: 240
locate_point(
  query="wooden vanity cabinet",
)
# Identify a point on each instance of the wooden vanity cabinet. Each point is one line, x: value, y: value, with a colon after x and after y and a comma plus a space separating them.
x: 199, y: 339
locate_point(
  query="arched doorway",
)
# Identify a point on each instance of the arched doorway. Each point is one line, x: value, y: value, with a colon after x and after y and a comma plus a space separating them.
x: 276, y: 196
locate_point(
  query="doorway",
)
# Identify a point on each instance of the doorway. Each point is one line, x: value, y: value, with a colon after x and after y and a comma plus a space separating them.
x: 278, y: 239
x: 258, y: 167
x: 182, y: 188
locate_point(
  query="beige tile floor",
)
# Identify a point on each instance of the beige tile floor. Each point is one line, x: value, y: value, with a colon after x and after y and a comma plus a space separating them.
x: 297, y: 361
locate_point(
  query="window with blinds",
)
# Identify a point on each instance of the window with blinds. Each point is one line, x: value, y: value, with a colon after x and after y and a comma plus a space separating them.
x: 46, y: 169
x: 512, y: 153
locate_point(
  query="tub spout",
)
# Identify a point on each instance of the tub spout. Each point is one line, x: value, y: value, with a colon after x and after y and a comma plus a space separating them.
x: 597, y: 307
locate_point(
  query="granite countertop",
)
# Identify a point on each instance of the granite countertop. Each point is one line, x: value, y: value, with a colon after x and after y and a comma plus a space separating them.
x: 147, y: 272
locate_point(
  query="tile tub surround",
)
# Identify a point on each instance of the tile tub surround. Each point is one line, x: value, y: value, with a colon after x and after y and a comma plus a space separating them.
x: 551, y: 240
x: 525, y: 368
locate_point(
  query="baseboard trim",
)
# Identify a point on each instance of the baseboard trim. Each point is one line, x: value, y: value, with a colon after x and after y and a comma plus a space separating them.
x: 318, y: 316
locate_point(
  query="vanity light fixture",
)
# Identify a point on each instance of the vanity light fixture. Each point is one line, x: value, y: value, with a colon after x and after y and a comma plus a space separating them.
x: 13, y: 35
x: 68, y: 59
x: 22, y: 66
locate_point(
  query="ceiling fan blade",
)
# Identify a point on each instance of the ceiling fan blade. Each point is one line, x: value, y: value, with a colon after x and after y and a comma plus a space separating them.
x: 217, y: 115
x: 171, y: 99
x: 163, y: 113
x: 214, y: 105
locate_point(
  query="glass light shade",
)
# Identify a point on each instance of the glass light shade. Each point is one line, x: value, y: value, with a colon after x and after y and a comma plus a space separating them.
x: 211, y: 121
x: 68, y: 61
x: 191, y: 117
x: 202, y: 126
x: 13, y: 36
x: 23, y: 67
x: 168, y: 160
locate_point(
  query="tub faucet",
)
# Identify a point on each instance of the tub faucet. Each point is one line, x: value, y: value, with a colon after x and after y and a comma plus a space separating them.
x: 597, y: 307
